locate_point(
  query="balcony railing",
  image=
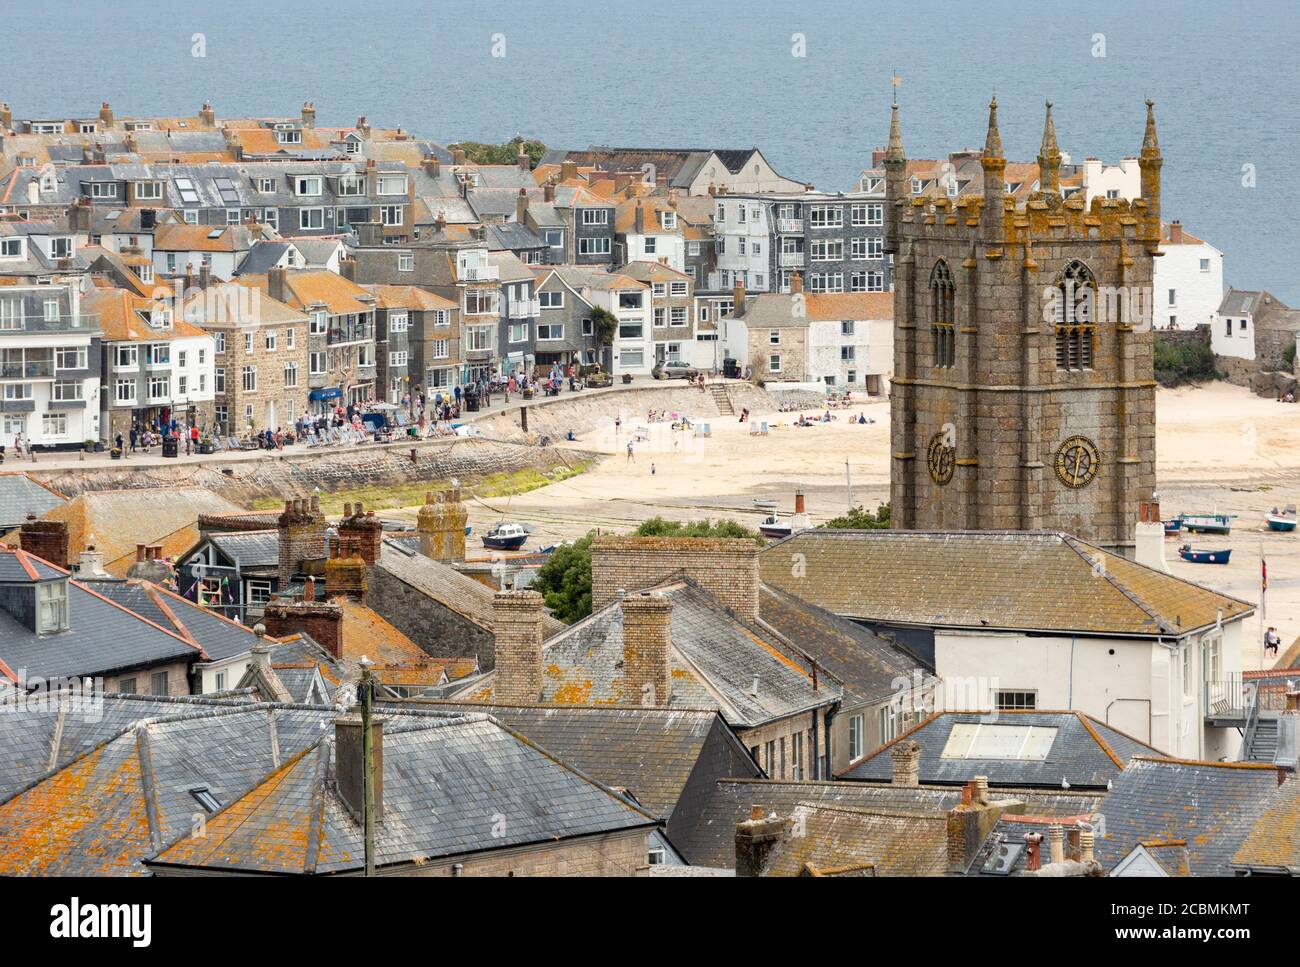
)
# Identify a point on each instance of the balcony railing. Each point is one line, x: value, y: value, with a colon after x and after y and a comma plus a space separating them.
x: 86, y: 322
x: 480, y: 273
x: 525, y: 309
x: 787, y: 226
x: 29, y: 370
x: 791, y: 260
x: 1227, y: 698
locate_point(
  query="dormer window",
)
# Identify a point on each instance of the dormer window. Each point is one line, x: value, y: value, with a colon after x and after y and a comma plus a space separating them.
x: 392, y: 184
x: 61, y: 247
x: 351, y: 185
x: 148, y: 191
x: 307, y: 185
x: 87, y: 127
x: 288, y: 135
x: 51, y: 607
x: 103, y: 189
x: 266, y: 185
x: 668, y: 219
x: 11, y: 248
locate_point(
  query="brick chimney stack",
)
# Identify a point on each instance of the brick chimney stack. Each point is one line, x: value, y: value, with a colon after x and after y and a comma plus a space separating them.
x: 441, y: 526
x: 525, y: 163
x: 521, y: 206
x: 320, y: 620
x: 6, y: 117
x: 301, y: 529
x: 458, y: 156
x: 47, y: 539
x: 309, y: 114
x: 349, y: 763
x: 105, y: 115
x: 738, y: 298
x: 647, y: 649
x: 568, y: 169
x: 971, y: 821
x: 517, y: 626
x: 905, y: 763
x: 361, y: 534
x: 345, y: 576
x: 796, y: 283
x: 548, y: 191
x: 727, y: 568
x: 348, y: 268
x: 207, y: 116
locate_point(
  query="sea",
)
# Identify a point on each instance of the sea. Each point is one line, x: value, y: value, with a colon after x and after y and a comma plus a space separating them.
x: 810, y: 82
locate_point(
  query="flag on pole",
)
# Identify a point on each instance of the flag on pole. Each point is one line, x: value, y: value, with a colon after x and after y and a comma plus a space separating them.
x: 1263, y: 573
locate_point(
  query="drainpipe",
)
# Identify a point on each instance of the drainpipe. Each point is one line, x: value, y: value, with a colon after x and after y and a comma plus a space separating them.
x: 816, y: 762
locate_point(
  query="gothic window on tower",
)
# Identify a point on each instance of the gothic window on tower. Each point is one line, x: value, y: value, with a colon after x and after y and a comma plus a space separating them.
x: 1075, y: 298
x: 943, y: 300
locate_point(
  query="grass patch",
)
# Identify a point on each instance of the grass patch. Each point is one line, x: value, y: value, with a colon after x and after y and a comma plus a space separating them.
x: 392, y: 496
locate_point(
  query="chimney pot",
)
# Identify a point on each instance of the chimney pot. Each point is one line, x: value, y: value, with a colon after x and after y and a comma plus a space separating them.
x: 1086, y: 845
x: 1056, y: 838
x: 1034, y: 843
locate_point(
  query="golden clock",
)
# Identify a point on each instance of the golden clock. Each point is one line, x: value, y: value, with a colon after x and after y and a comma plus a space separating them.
x: 941, y: 458
x: 1077, y: 462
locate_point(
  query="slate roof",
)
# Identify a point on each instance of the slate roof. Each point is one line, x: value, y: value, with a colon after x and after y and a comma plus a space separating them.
x: 1084, y: 752
x: 218, y: 637
x: 711, y: 840
x: 865, y: 663
x: 650, y: 752
x: 890, y: 841
x: 715, y: 658
x: 119, y: 519
x: 102, y: 638
x: 1273, y: 843
x: 124, y: 791
x: 1210, y: 807
x: 262, y: 257
x: 250, y: 548
x: 513, y: 236
x: 444, y: 782
x: 1022, y: 580
x: 444, y: 584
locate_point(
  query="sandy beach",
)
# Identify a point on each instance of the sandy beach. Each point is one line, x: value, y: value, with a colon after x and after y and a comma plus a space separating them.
x: 1220, y: 448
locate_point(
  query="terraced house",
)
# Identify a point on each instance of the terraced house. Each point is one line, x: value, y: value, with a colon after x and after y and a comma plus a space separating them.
x: 836, y: 239
x: 417, y: 336
x: 157, y: 367
x: 261, y: 356
x: 49, y: 340
x: 341, y: 365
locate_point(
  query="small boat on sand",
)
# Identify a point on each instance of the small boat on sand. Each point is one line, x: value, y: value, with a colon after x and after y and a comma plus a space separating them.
x: 1173, y: 526
x: 1187, y: 553
x: 1207, y: 523
x: 506, y: 537
x: 773, y: 526
x: 1284, y: 520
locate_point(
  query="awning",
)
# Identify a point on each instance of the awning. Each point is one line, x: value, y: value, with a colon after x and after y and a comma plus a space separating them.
x: 324, y: 394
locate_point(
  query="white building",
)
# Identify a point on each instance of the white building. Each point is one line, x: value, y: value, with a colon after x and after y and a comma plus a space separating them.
x: 851, y: 341
x: 1254, y: 325
x: 743, y: 230
x: 1123, y: 180
x: 629, y: 301
x: 1187, y: 286
x: 49, y: 375
x: 1039, y: 620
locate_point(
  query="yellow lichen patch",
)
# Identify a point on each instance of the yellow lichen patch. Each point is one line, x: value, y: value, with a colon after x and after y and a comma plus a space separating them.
x: 573, y: 693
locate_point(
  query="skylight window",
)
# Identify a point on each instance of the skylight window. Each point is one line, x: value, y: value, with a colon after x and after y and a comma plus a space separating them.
x: 981, y: 740
x: 226, y: 188
x: 205, y: 798
x: 186, y: 188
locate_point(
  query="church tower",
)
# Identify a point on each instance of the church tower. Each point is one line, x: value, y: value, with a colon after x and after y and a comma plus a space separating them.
x: 1023, y: 395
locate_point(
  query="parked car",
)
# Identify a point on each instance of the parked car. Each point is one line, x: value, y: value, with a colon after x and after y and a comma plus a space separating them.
x: 673, y: 370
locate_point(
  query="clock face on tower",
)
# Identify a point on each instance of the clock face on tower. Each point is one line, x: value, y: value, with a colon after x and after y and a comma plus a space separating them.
x: 1077, y: 462
x: 941, y: 458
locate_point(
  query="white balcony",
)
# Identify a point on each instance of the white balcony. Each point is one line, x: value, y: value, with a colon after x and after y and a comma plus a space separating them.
x: 789, y: 226
x: 480, y: 273
x: 526, y: 309
x: 791, y: 260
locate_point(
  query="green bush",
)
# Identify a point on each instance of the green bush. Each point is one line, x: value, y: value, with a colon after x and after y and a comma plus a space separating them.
x: 501, y: 154
x: 564, y: 581
x: 859, y: 518
x: 1179, y: 362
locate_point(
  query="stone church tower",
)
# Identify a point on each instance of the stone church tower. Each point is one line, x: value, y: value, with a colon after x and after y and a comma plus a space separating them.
x: 1023, y: 394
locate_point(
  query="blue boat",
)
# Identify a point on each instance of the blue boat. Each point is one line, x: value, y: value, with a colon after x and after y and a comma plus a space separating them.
x: 1173, y: 526
x: 1282, y: 520
x: 1204, y: 557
